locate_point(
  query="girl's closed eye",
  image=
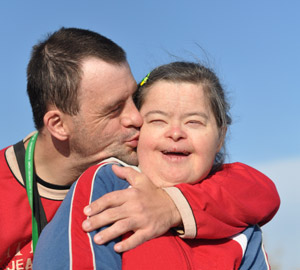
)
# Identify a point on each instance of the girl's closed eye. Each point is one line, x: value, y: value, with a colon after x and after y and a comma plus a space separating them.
x: 157, y: 121
x: 195, y: 123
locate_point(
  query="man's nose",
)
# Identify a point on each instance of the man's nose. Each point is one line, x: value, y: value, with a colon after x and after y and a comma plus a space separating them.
x: 131, y: 116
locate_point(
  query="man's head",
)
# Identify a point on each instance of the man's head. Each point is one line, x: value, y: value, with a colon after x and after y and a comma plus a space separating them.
x: 80, y: 88
x: 55, y: 68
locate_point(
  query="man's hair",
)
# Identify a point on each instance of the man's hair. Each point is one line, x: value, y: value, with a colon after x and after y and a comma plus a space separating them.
x: 197, y: 74
x: 54, y: 70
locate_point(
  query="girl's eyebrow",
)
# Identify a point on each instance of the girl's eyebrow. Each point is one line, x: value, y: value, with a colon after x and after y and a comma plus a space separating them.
x: 156, y: 112
x: 200, y: 114
x: 197, y: 113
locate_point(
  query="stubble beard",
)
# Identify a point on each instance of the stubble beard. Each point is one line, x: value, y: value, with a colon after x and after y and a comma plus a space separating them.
x: 130, y: 157
x: 86, y: 149
x: 88, y: 157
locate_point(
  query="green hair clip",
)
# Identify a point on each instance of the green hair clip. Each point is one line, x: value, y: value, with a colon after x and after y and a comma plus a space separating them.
x: 145, y: 79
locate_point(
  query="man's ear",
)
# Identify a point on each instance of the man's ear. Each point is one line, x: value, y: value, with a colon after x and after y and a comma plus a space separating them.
x: 55, y: 122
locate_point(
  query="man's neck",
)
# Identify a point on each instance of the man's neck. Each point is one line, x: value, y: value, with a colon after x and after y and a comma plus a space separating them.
x: 53, y: 162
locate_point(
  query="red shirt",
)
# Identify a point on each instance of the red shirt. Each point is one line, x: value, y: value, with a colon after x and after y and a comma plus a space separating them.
x: 15, y: 222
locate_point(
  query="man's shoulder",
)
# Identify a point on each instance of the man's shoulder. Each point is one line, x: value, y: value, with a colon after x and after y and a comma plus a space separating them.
x: 3, y: 153
x: 8, y: 156
x: 8, y: 164
x: 102, y: 175
x: 113, y: 160
x: 106, y: 165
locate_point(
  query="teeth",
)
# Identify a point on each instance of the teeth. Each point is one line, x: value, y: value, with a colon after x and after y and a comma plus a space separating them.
x: 176, y: 153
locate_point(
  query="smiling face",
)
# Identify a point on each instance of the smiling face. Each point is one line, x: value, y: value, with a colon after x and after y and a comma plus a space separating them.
x: 179, y: 138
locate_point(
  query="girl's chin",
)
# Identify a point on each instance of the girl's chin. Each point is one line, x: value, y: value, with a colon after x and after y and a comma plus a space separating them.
x: 173, y: 179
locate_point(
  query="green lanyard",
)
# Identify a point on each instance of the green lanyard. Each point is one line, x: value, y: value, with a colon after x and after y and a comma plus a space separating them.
x: 29, y: 185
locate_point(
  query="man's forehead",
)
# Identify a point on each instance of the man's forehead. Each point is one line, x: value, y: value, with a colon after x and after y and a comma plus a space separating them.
x: 96, y: 70
x: 88, y: 64
x: 99, y: 78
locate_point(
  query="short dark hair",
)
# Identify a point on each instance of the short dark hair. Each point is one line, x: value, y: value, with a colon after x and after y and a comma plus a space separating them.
x: 54, y: 70
x: 197, y: 74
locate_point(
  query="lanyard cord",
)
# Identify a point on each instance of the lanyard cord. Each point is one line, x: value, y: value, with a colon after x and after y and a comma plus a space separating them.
x: 29, y: 185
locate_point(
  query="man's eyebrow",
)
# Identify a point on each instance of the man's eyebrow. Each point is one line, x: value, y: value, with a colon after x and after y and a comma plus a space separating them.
x: 116, y: 102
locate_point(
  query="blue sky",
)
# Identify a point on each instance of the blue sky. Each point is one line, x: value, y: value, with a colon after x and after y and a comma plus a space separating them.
x: 252, y: 45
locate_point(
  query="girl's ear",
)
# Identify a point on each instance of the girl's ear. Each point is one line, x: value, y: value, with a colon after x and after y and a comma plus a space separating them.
x: 222, y: 138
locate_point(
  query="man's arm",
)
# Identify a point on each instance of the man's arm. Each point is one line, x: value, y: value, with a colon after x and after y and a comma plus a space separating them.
x: 219, y: 207
x: 231, y: 199
x: 144, y: 209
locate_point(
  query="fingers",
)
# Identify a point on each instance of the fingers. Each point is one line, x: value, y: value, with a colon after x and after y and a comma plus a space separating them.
x: 113, y: 207
x: 105, y: 210
x: 108, y: 200
x: 127, y: 173
x: 114, y: 198
x: 117, y: 229
x: 107, y: 217
x: 133, y: 241
x: 144, y: 209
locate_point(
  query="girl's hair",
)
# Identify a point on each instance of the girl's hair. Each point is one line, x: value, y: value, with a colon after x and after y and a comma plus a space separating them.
x: 197, y: 74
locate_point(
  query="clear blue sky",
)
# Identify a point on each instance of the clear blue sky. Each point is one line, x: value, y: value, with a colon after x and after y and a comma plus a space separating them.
x: 252, y: 45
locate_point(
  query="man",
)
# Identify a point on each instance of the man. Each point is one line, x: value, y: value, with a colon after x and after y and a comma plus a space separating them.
x: 80, y: 88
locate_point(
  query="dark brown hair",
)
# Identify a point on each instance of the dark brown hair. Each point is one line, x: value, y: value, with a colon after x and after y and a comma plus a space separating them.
x: 54, y: 70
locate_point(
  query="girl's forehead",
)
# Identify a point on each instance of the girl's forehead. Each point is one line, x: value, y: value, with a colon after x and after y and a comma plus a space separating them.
x: 176, y: 97
x: 164, y: 91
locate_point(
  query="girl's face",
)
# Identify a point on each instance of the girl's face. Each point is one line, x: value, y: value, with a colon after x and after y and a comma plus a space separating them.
x: 179, y: 138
